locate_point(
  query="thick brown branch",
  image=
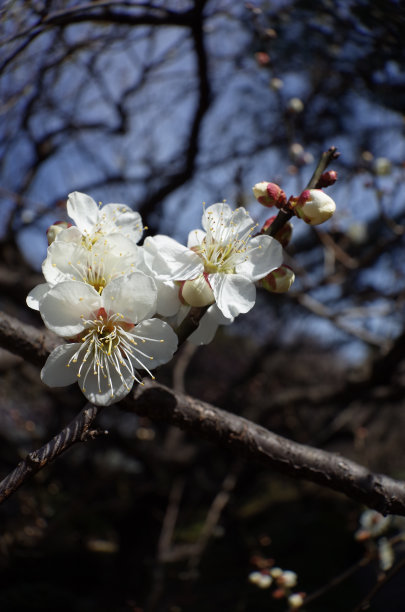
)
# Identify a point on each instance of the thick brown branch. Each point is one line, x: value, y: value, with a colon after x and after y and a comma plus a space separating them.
x: 27, y: 341
x: 242, y: 436
x: 229, y: 430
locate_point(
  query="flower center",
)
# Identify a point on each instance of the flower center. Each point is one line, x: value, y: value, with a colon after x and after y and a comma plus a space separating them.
x: 99, y: 268
x: 110, y: 352
x: 224, y: 246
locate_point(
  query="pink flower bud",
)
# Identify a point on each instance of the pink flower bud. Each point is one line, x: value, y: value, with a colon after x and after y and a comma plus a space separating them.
x: 55, y: 229
x: 278, y: 281
x: 283, y: 235
x: 313, y: 206
x: 196, y: 292
x: 262, y: 58
x: 327, y: 179
x: 269, y: 194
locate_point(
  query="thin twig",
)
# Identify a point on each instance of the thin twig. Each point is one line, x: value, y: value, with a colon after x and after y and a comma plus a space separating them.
x: 78, y: 430
x: 242, y: 436
x: 382, y: 581
x: 286, y: 212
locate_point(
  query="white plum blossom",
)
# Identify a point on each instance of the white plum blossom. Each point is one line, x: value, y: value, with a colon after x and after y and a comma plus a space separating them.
x: 94, y: 222
x: 100, y: 247
x: 95, y: 265
x: 226, y: 256
x: 111, y: 336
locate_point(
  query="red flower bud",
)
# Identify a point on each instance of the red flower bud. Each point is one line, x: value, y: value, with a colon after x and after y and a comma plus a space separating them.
x: 262, y: 58
x: 269, y: 194
x: 326, y: 179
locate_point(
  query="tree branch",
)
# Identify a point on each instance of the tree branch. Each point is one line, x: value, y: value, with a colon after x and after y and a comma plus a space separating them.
x: 79, y: 430
x: 297, y: 460
x: 27, y: 341
x: 223, y: 428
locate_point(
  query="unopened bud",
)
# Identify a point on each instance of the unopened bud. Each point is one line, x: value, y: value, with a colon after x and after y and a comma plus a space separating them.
x: 197, y: 292
x: 278, y: 593
x: 262, y: 58
x: 313, y: 206
x: 327, y: 179
x: 382, y: 166
x: 295, y: 600
x: 276, y: 84
x: 288, y: 579
x: 295, y: 105
x: 269, y: 194
x: 386, y: 554
x: 55, y: 229
x: 278, y: 281
x: 261, y: 579
x: 283, y: 235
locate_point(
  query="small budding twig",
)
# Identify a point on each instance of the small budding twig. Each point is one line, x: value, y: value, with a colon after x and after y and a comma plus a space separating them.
x: 285, y: 213
x: 192, y: 320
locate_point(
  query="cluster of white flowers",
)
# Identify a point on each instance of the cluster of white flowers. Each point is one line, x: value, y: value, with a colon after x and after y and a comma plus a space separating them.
x: 282, y: 580
x: 106, y: 295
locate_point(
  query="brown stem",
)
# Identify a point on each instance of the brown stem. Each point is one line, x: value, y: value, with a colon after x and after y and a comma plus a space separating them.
x: 223, y: 428
x: 242, y: 436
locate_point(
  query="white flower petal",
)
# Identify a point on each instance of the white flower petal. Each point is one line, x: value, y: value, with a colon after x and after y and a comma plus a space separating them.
x: 265, y: 254
x: 195, y: 238
x: 242, y: 221
x: 127, y: 221
x: 152, y: 332
x: 99, y: 392
x: 234, y: 293
x: 168, y: 302
x: 208, y: 326
x: 231, y: 221
x: 118, y: 245
x: 170, y: 260
x: 56, y: 372
x: 66, y: 304
x: 71, y: 234
x: 215, y: 212
x: 83, y: 210
x: 60, y: 263
x: 133, y: 296
x: 36, y: 294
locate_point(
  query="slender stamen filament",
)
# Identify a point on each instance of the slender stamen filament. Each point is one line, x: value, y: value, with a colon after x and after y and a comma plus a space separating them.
x: 109, y: 351
x: 224, y: 245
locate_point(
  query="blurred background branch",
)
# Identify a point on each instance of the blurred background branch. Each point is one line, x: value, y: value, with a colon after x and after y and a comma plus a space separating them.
x: 164, y: 106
